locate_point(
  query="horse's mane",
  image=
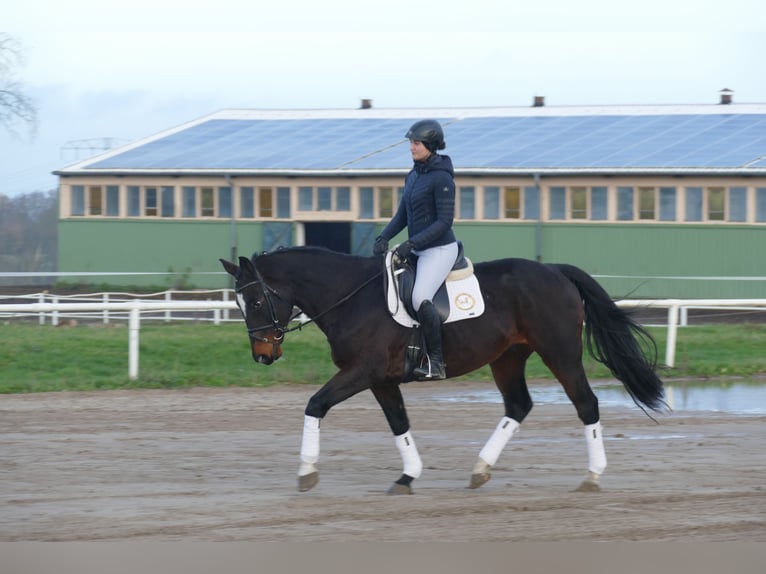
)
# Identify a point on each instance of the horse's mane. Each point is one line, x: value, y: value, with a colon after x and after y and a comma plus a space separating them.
x: 320, y: 260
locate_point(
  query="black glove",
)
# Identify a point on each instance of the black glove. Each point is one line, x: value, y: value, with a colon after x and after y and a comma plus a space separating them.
x: 381, y: 246
x: 403, y: 250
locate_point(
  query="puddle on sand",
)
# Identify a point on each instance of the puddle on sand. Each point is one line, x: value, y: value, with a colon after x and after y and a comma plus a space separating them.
x: 747, y: 397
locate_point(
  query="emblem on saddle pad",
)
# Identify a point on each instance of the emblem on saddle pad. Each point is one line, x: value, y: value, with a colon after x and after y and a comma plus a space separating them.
x: 458, y: 298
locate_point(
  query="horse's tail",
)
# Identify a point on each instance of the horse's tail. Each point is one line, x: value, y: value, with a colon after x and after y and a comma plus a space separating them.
x: 613, y: 338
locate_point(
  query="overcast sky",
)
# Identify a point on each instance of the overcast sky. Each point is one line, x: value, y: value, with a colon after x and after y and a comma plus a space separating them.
x: 126, y: 70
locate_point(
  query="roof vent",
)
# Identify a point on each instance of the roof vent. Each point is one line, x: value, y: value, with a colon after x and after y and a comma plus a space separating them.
x: 726, y: 95
x: 538, y: 102
x: 366, y: 104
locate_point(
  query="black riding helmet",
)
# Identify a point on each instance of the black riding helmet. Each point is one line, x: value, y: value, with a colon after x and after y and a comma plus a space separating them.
x: 429, y: 132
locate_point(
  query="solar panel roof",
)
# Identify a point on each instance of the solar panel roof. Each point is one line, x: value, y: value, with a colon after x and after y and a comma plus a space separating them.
x: 593, y: 139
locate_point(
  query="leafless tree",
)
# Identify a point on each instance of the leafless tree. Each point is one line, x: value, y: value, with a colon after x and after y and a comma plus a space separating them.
x: 17, y: 109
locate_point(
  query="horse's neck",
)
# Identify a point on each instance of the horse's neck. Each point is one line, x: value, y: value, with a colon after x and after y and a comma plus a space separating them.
x: 319, y: 282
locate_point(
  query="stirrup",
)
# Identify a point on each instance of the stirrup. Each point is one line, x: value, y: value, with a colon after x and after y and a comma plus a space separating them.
x: 432, y: 372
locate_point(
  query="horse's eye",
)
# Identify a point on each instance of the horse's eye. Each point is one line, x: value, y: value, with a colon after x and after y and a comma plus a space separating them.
x: 257, y: 304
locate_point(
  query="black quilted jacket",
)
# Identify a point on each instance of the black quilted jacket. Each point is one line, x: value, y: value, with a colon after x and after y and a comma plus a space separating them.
x: 428, y: 204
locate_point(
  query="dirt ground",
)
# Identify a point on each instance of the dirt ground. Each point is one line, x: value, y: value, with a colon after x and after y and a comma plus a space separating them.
x: 220, y: 465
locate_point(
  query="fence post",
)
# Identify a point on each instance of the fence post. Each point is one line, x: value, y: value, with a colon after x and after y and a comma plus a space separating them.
x: 225, y: 297
x: 106, y: 310
x: 168, y: 313
x: 41, y: 315
x: 134, y: 325
x: 670, y: 345
x: 55, y: 312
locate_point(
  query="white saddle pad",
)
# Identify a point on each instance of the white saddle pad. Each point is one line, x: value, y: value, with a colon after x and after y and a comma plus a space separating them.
x: 466, y: 301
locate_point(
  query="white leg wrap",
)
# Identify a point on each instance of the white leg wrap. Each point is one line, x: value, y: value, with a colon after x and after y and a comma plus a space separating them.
x: 596, y: 453
x: 310, y: 443
x: 496, y: 443
x: 413, y: 466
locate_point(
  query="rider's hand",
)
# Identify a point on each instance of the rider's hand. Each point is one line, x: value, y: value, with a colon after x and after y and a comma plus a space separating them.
x: 381, y: 246
x: 403, y: 250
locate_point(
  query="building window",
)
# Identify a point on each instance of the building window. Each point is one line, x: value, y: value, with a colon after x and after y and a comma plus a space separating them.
x: 77, y: 205
x: 579, y: 203
x: 168, y: 201
x: 283, y: 202
x: 225, y: 207
x: 95, y: 203
x: 112, y: 200
x: 511, y: 203
x: 558, y: 202
x: 625, y: 205
x: 760, y: 205
x: 207, y: 202
x: 324, y: 199
x: 343, y: 199
x: 265, y: 202
x: 385, y: 202
x: 246, y: 202
x: 667, y: 204
x: 306, y: 198
x: 366, y: 203
x: 646, y: 203
x: 715, y: 204
x: 598, y: 203
x: 134, y: 201
x: 467, y: 204
x: 693, y: 203
x: 189, y: 201
x: 491, y: 202
x: 737, y: 204
x: 150, y: 201
x: 531, y: 202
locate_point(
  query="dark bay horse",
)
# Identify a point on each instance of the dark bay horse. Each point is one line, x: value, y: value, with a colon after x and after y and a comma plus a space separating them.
x: 530, y: 307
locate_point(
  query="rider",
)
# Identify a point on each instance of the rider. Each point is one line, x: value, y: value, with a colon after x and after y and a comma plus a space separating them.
x: 427, y: 209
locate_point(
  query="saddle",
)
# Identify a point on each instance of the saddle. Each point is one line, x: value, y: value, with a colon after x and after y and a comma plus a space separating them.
x: 458, y: 298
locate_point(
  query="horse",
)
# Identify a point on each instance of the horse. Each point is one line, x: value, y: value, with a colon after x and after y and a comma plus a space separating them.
x: 531, y: 307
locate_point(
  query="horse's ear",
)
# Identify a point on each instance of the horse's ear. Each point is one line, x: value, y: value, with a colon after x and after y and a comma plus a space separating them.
x: 246, y: 265
x: 230, y: 267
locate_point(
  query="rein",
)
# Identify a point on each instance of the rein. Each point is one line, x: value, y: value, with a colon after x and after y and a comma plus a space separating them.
x: 283, y: 330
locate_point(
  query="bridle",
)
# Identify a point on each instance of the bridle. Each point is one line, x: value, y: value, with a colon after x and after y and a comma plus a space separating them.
x: 275, y: 325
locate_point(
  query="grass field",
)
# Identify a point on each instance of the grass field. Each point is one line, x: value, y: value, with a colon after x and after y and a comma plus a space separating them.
x: 36, y: 358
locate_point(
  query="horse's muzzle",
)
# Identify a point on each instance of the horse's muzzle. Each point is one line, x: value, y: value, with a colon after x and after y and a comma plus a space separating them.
x: 266, y: 353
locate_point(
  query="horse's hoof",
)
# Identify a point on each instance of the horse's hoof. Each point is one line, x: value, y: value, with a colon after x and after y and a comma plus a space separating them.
x: 479, y: 478
x: 590, y: 484
x: 397, y: 488
x: 308, y: 481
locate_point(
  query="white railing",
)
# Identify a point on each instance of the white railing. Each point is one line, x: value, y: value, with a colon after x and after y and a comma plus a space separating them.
x: 135, y: 308
x: 677, y: 308
x: 105, y: 315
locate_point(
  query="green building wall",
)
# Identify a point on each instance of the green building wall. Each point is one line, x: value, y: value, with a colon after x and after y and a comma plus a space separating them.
x: 649, y: 261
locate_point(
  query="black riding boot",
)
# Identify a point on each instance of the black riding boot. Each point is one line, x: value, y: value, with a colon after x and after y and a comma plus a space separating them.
x: 430, y: 322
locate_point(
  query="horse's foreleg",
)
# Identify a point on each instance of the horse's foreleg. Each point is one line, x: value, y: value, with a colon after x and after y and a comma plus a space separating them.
x: 596, y: 458
x: 308, y: 475
x: 389, y: 396
x: 342, y: 386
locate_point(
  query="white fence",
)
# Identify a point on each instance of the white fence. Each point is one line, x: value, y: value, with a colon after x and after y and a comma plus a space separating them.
x: 676, y: 308
x: 134, y: 309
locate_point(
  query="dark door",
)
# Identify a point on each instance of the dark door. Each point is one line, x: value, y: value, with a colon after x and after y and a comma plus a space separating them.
x: 333, y: 235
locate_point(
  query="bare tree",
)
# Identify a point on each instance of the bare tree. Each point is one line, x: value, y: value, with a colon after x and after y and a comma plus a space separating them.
x: 16, y: 108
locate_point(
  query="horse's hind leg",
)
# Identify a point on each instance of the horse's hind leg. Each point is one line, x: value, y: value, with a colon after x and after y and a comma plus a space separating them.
x: 390, y: 398
x: 508, y: 372
x: 571, y: 375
